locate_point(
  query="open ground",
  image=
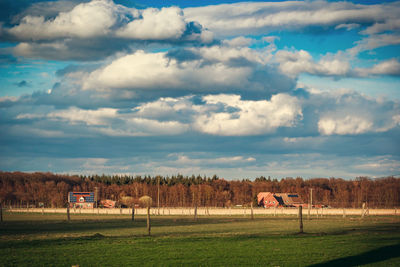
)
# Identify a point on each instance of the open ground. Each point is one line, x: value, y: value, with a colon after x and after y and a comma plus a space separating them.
x: 113, y: 240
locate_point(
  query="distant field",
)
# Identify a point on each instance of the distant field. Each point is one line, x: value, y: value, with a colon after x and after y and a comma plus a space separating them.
x: 114, y: 240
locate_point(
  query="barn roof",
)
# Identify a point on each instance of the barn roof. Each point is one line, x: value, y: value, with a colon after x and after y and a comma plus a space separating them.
x: 284, y: 199
x: 289, y: 198
x: 262, y: 195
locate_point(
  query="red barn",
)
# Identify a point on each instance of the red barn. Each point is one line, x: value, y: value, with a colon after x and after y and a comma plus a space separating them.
x: 268, y: 200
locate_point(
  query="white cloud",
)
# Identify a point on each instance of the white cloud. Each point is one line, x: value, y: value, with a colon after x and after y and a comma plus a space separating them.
x: 349, y: 113
x: 104, y: 20
x: 337, y: 65
x: 245, y: 18
x: 383, y: 164
x: 250, y: 117
x: 100, y: 116
x: 374, y: 41
x: 217, y: 68
x: 168, y: 108
x: 185, y: 160
x: 139, y: 70
x: 348, y: 27
x: 79, y: 22
x: 108, y: 121
x: 154, y: 24
x: 390, y: 24
x: 226, y: 54
x: 239, y: 42
x: 301, y: 61
x: 145, y: 127
x: 342, y: 126
x: 389, y: 67
x: 226, y: 115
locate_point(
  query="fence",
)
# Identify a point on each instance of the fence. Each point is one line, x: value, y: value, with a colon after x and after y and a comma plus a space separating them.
x: 210, y: 211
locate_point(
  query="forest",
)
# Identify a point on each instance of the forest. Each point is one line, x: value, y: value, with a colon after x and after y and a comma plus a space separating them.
x: 50, y: 190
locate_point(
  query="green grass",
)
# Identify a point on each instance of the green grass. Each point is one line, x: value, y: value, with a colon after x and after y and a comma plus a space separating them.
x: 114, y: 240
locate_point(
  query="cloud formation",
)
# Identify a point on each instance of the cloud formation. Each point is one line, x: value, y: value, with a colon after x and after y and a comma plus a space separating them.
x: 302, y: 62
x: 233, y: 88
x: 112, y: 21
x: 350, y: 113
x: 249, y: 117
x: 256, y: 17
x: 338, y: 65
x: 117, y: 27
x: 197, y: 70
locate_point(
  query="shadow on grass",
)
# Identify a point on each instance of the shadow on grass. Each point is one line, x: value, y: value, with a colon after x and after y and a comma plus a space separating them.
x: 76, y: 226
x: 195, y: 235
x: 82, y: 225
x: 372, y: 256
x: 16, y: 232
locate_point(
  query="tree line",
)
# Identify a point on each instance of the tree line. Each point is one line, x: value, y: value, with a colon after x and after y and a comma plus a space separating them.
x: 51, y: 190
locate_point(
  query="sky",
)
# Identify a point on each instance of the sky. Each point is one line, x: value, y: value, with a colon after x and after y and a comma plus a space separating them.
x: 237, y: 89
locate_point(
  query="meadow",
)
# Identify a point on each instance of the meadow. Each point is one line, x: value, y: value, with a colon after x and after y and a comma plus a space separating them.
x: 114, y: 240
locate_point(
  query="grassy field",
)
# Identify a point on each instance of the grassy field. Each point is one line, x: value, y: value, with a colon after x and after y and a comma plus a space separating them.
x: 114, y: 240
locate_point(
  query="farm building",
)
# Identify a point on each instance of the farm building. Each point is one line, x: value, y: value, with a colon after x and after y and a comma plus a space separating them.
x: 268, y: 200
x: 107, y: 203
x: 85, y: 200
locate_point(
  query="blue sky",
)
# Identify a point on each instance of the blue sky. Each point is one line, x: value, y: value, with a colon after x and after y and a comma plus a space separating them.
x: 237, y: 89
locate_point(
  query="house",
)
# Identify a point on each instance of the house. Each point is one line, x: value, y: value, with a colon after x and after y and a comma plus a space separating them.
x: 85, y: 200
x: 268, y: 200
x: 107, y: 203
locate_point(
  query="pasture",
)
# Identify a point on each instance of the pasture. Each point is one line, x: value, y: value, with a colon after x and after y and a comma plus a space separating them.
x: 34, y: 239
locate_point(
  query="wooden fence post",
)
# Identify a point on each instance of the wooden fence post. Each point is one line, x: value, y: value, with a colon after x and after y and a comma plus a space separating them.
x: 1, y: 212
x: 68, y: 217
x: 133, y: 213
x: 195, y: 212
x: 148, y: 220
x: 252, y: 214
x: 363, y: 210
x: 301, y: 218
